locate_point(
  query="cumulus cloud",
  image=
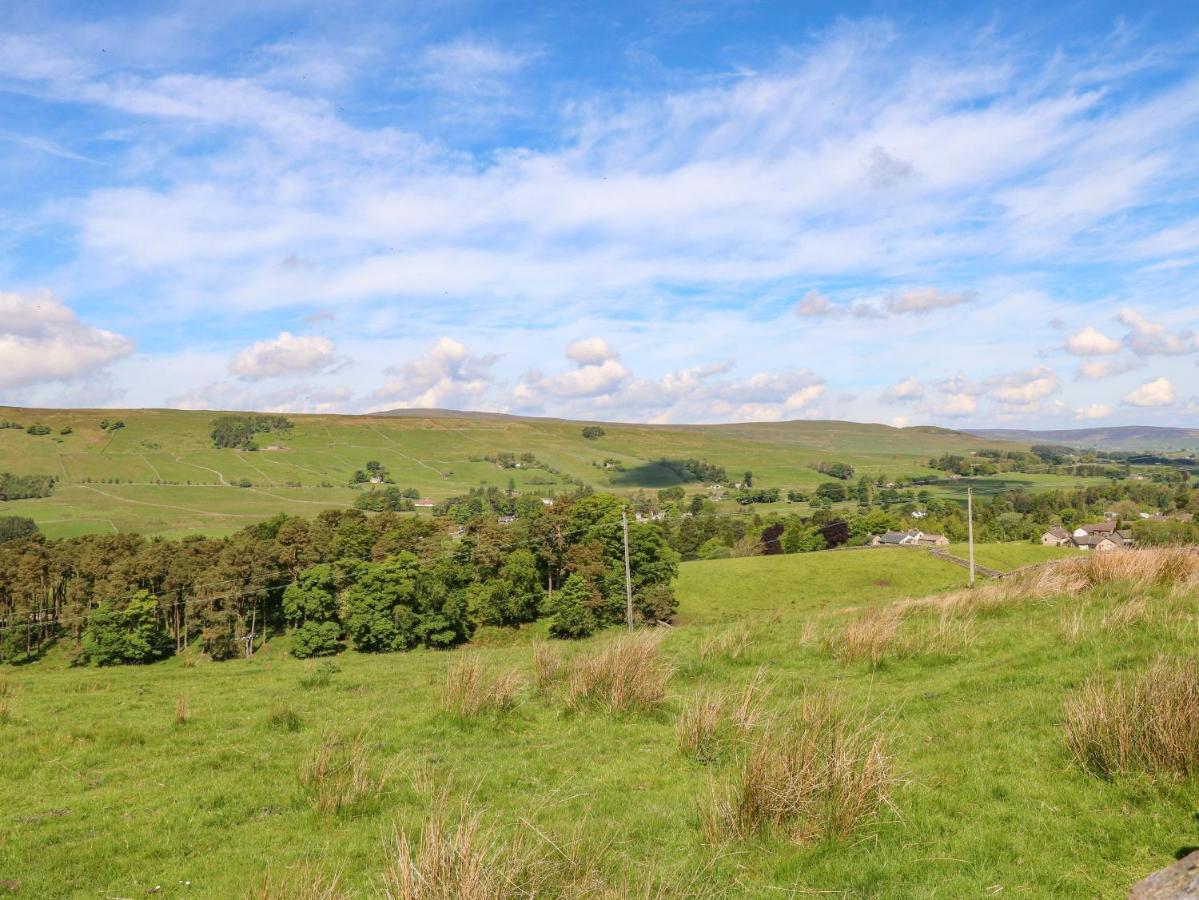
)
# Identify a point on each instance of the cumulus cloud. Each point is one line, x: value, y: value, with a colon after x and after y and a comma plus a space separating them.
x: 42, y: 340
x: 598, y: 372
x: 591, y: 352
x: 924, y: 300
x: 1148, y: 338
x: 1096, y: 370
x: 288, y: 354
x: 956, y: 406
x: 294, y: 398
x: 1155, y: 393
x: 601, y: 384
x: 1092, y: 411
x: 1091, y: 342
x: 916, y: 301
x: 904, y: 391
x: 814, y: 305
x: 449, y: 375
x: 1024, y: 388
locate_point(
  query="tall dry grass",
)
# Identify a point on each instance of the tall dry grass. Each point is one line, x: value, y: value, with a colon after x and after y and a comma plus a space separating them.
x: 899, y: 631
x: 471, y: 691
x: 182, y: 713
x: 1146, y: 724
x: 711, y: 721
x: 458, y: 855
x: 628, y: 674
x: 732, y: 644
x: 549, y: 666
x: 820, y: 774
x: 339, y: 776
x: 6, y: 697
x: 304, y: 883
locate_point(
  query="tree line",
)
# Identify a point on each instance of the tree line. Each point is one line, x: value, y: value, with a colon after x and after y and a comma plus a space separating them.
x: 374, y: 583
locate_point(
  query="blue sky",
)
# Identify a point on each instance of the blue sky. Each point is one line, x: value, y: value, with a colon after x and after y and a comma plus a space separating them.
x: 666, y: 212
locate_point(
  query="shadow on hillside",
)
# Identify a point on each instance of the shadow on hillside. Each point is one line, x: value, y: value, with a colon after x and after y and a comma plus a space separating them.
x: 646, y: 475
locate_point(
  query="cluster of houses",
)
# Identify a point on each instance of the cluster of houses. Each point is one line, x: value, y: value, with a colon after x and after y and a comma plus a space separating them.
x: 1101, y: 536
x: 913, y: 537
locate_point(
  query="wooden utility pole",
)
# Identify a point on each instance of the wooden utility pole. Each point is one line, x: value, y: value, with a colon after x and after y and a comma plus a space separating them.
x: 970, y: 529
x: 628, y: 575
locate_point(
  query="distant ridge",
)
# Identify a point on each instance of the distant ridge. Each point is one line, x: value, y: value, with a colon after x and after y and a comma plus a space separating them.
x: 1120, y: 437
x: 432, y: 412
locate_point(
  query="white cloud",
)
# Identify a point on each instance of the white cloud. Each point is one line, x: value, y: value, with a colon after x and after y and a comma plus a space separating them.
x: 288, y: 354
x: 904, y: 391
x: 42, y: 340
x: 957, y: 406
x: 470, y: 66
x: 598, y: 373
x: 601, y: 385
x: 1159, y: 392
x: 449, y: 375
x: 1096, y: 370
x: 899, y: 421
x: 1024, y: 388
x: 1091, y: 342
x: 292, y: 398
x: 1093, y: 411
x: 1148, y: 338
x: 924, y: 300
x: 591, y: 352
x: 814, y: 305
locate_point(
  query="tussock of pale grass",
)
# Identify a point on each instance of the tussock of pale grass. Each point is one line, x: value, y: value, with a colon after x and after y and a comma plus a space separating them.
x: 181, y: 710
x: 1146, y: 724
x: 1129, y: 614
x: 819, y: 774
x: 457, y: 857
x: 339, y: 776
x: 731, y: 644
x: 304, y: 883
x: 7, y: 692
x: 1073, y: 625
x: 1176, y: 568
x: 471, y: 691
x: 870, y: 637
x: 711, y: 721
x: 624, y: 675
x: 548, y: 666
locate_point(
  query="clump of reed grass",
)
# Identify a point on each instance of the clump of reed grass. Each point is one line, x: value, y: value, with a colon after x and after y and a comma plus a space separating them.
x: 870, y: 637
x: 6, y: 696
x: 819, y: 774
x: 471, y: 691
x: 284, y: 718
x: 1148, y: 724
x: 628, y: 674
x: 549, y: 666
x: 321, y: 676
x: 457, y: 856
x: 182, y: 713
x: 711, y: 721
x: 303, y: 883
x: 732, y: 644
x: 339, y: 776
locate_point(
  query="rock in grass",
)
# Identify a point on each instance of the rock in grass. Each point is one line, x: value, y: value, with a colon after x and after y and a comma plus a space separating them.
x: 1177, y: 882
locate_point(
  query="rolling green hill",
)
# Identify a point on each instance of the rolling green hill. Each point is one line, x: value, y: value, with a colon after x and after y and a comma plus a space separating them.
x: 161, y: 474
x: 195, y: 779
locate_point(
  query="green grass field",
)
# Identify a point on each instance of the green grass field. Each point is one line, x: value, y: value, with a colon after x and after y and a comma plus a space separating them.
x: 1013, y: 555
x: 104, y: 795
x: 171, y: 481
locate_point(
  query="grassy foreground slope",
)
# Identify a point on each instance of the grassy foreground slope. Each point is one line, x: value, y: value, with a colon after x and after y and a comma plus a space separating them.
x: 104, y: 794
x: 160, y: 474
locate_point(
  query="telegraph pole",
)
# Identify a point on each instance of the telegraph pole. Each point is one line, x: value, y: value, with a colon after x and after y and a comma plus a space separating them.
x: 970, y: 529
x: 628, y: 576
